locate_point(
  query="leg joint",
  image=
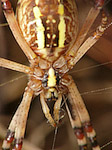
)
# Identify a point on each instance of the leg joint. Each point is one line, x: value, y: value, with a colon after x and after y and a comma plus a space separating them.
x: 6, y: 5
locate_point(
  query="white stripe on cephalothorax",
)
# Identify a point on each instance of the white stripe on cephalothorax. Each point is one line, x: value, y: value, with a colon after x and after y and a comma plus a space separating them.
x: 51, y: 78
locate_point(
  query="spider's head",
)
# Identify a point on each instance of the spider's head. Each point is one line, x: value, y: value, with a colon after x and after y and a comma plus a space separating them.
x: 50, y: 82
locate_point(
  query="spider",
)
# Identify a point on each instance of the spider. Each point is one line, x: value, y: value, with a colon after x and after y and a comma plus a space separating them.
x: 47, y: 32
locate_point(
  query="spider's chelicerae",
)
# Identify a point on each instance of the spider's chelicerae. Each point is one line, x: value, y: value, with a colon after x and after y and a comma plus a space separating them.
x: 47, y: 32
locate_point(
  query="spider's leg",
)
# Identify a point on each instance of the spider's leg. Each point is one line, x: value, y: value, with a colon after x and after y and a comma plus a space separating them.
x: 46, y: 110
x: 76, y: 125
x: 78, y: 50
x: 57, y: 106
x: 18, y: 124
x: 11, y: 131
x: 89, y: 42
x: 93, y: 13
x: 76, y: 99
x: 9, y: 14
x: 14, y: 66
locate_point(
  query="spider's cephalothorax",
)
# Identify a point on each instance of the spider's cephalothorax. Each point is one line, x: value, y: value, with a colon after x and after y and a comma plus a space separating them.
x: 47, y: 33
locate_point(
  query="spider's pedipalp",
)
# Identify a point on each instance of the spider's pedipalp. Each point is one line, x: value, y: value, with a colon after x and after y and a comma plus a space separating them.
x: 57, y: 106
x: 46, y: 110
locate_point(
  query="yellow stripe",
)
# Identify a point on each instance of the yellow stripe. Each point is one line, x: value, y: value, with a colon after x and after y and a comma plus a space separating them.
x: 61, y: 26
x: 37, y: 12
x: 62, y: 29
x: 61, y: 9
x: 40, y: 28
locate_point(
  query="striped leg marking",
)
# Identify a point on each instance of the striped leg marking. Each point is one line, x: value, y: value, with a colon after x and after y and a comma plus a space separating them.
x: 76, y: 125
x: 80, y: 108
x: 18, y: 124
x: 91, y: 135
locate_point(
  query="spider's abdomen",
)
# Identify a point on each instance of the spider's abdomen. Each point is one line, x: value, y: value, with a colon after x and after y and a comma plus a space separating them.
x: 49, y: 26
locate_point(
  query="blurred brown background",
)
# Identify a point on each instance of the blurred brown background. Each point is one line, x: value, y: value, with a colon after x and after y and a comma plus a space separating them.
x: 93, y: 79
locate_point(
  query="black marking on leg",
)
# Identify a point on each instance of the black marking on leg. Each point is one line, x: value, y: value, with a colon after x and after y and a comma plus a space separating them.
x: 79, y: 132
x: 83, y: 147
x: 10, y: 136
x: 6, y: 5
x: 93, y: 141
x: 80, y: 136
x: 99, y: 4
x: 18, y: 144
x: 88, y: 127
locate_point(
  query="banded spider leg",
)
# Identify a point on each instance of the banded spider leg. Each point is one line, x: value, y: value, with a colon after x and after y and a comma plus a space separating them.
x: 79, y: 116
x: 80, y: 119
x: 18, y: 124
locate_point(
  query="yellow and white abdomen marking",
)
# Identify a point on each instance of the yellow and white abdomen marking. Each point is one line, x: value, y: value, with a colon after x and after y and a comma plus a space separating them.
x: 61, y: 26
x: 48, y: 26
x: 39, y: 29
